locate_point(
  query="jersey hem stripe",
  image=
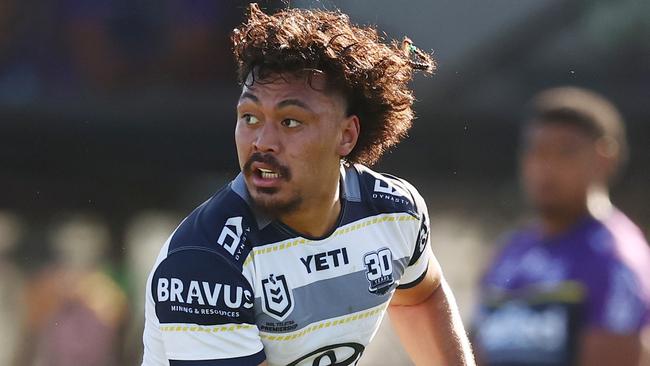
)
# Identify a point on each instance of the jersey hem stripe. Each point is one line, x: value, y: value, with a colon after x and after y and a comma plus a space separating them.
x: 324, y: 324
x: 205, y: 329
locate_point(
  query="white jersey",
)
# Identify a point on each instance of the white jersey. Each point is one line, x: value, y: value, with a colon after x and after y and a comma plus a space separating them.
x: 231, y: 287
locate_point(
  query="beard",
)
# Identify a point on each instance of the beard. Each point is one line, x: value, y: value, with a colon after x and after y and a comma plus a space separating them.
x: 269, y: 200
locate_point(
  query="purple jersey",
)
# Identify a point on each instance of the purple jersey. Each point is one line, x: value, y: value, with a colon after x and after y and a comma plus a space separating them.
x: 541, y: 292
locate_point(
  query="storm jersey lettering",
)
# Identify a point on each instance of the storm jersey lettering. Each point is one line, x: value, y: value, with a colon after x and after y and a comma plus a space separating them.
x: 231, y: 287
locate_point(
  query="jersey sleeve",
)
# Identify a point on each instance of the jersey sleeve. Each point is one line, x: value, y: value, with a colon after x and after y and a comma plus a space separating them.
x: 615, y: 301
x: 418, y: 264
x: 200, y: 312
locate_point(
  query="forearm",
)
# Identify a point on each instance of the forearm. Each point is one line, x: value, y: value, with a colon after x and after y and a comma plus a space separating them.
x: 432, y: 332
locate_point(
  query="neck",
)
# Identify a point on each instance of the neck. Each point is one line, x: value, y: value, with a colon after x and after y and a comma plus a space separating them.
x: 317, y: 216
x: 557, y: 223
x: 595, y: 204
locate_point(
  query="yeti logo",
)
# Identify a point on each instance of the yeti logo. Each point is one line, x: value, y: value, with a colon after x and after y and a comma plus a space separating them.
x: 379, y: 270
x: 277, y: 297
x: 229, y: 238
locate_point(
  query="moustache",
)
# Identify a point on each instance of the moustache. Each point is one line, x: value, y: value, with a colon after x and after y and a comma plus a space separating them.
x: 271, y: 161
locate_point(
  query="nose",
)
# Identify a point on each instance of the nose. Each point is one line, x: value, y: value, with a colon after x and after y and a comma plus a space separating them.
x: 267, y: 138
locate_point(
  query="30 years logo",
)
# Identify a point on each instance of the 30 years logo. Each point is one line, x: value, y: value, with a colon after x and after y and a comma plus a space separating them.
x: 379, y: 270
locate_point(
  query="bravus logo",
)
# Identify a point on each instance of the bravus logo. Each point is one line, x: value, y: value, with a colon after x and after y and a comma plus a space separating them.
x: 203, y: 293
x: 277, y: 297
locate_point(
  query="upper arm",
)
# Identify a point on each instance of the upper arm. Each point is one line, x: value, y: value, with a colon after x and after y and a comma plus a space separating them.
x: 616, y: 313
x: 417, y: 294
x: 200, y: 312
x: 615, y: 301
x: 423, y: 275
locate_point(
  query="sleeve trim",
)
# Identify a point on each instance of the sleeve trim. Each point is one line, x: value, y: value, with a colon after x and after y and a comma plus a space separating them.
x: 414, y: 283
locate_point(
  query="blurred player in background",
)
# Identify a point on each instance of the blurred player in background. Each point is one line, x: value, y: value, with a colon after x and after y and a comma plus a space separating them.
x: 574, y: 286
x: 74, y: 309
x: 297, y: 259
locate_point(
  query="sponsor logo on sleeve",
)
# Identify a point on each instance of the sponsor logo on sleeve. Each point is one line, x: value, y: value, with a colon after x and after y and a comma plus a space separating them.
x: 203, y: 297
x: 385, y: 191
x: 233, y: 236
x: 277, y: 297
x: 379, y: 270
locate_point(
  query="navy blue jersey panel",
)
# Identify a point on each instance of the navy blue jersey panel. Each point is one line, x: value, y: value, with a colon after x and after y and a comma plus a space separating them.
x: 372, y: 194
x: 272, y: 234
x: 385, y: 194
x: 223, y: 224
x: 199, y: 286
x: 227, y: 224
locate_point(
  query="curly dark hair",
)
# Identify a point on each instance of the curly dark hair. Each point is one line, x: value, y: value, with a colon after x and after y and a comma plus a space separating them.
x: 372, y: 75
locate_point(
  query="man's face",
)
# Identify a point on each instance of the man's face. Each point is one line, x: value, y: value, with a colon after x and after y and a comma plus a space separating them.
x: 559, y: 164
x: 288, y: 137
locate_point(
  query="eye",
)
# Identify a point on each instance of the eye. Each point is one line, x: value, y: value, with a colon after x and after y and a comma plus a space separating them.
x: 249, y: 119
x: 291, y: 123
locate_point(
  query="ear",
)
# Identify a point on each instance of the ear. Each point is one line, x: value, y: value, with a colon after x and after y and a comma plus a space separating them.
x: 350, y: 129
x: 608, y: 152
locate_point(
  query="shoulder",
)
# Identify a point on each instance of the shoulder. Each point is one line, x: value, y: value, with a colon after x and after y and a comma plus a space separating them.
x: 219, y: 226
x: 615, y: 235
x: 511, y: 247
x: 383, y: 193
x: 617, y: 242
x: 518, y: 241
x: 200, y: 284
x: 386, y: 193
x: 617, y: 274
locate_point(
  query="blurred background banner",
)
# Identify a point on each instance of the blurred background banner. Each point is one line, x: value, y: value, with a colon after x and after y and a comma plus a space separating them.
x: 117, y: 118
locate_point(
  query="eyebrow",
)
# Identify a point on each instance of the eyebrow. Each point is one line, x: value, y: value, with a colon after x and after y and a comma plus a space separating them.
x: 282, y: 104
x: 251, y: 96
x: 294, y: 102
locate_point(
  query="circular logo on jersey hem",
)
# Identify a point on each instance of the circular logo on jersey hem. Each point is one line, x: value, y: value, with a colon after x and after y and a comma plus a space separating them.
x: 329, y: 353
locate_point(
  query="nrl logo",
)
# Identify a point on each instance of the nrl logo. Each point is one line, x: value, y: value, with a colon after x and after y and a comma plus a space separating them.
x: 277, y: 297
